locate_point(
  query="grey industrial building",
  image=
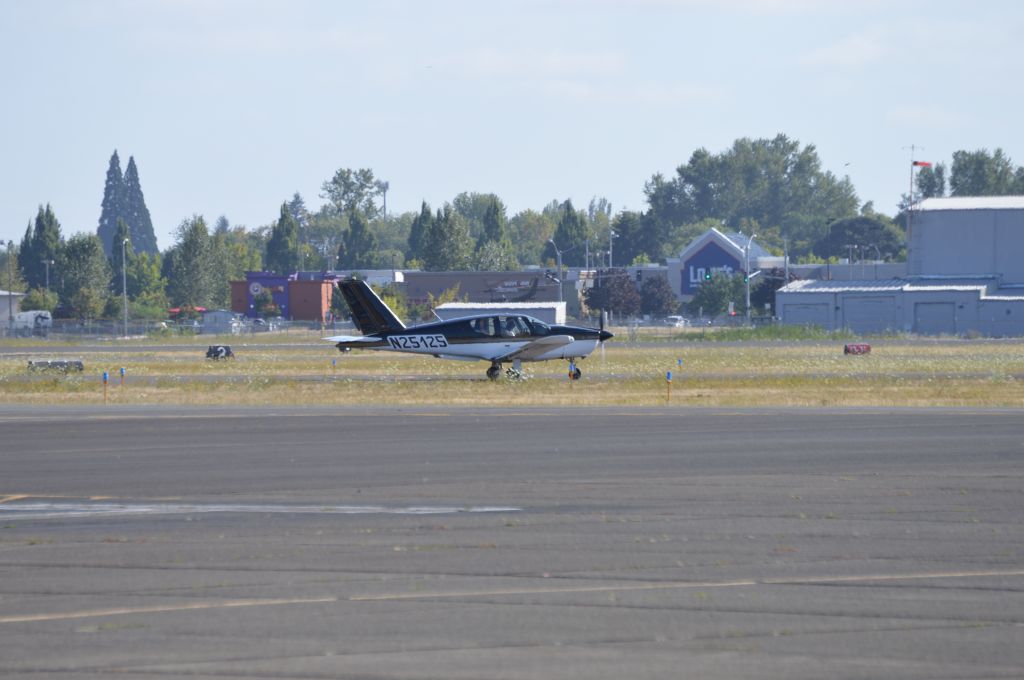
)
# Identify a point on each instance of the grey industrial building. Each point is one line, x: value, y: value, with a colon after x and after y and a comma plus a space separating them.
x: 965, y: 275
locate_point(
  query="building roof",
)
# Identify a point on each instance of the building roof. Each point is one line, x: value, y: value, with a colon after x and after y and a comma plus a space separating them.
x: 984, y: 286
x: 7, y: 293
x: 733, y: 243
x: 972, y: 203
x: 819, y: 286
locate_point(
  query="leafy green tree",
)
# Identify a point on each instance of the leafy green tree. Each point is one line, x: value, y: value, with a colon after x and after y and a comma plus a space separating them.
x: 570, y: 237
x: 113, y: 203
x: 657, y: 297
x: 495, y: 256
x: 869, y: 233
x: 282, y: 248
x: 473, y: 207
x: 713, y: 297
x: 773, y: 183
x: 39, y: 298
x: 191, y: 281
x: 40, y: 248
x: 447, y: 246
x: 350, y: 190
x: 10, y: 276
x: 931, y: 182
x: 392, y: 232
x: 85, y: 275
x: 325, y: 232
x: 146, y: 285
x: 614, y: 292
x: 135, y: 213
x: 265, y: 306
x: 529, y: 232
x: 979, y: 173
x: 494, y: 250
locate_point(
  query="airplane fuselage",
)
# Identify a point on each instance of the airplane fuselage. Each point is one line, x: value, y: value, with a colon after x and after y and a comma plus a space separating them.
x: 482, y: 338
x: 497, y: 338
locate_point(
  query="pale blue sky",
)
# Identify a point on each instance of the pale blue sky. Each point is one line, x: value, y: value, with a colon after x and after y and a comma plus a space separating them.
x: 229, y: 107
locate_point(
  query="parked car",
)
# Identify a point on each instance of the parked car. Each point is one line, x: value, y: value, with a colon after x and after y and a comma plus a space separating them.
x: 676, y: 321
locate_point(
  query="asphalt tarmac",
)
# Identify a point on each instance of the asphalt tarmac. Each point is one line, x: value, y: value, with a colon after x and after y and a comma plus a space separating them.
x: 429, y: 543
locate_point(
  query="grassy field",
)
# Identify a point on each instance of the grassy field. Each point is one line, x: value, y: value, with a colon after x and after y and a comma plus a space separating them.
x: 295, y: 368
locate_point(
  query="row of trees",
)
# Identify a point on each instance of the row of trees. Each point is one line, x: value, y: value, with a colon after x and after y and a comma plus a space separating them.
x: 774, y: 187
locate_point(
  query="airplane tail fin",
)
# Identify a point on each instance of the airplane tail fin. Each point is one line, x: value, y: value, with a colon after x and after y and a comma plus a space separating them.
x: 369, y: 312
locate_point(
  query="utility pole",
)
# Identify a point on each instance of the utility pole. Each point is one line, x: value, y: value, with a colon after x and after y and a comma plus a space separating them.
x: 746, y: 273
x: 10, y: 286
x: 558, y: 256
x: 124, y: 283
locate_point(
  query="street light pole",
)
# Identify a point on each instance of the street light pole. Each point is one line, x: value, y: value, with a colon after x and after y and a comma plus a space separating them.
x: 124, y: 283
x: 611, y: 238
x: 10, y: 287
x: 558, y: 256
x: 746, y: 273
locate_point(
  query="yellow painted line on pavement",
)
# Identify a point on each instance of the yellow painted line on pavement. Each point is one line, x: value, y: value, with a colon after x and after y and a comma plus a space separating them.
x: 496, y: 592
x: 160, y: 609
x: 10, y: 498
x: 688, y: 585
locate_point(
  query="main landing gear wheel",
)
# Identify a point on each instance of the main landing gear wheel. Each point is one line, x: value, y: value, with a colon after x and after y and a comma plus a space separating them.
x: 576, y: 374
x: 494, y: 371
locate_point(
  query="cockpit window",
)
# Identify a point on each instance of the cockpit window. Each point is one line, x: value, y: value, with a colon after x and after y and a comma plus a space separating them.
x: 513, y: 326
x: 538, y: 327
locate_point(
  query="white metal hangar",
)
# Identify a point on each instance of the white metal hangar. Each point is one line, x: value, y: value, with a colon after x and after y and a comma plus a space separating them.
x: 965, y: 275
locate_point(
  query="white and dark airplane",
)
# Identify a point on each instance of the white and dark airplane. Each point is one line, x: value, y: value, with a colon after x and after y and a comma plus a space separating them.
x: 497, y: 338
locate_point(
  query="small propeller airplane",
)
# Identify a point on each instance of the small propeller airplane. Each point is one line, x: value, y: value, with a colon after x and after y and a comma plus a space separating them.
x: 497, y: 338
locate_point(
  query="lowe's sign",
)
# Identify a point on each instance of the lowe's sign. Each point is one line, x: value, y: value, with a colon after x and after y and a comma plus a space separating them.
x: 708, y: 260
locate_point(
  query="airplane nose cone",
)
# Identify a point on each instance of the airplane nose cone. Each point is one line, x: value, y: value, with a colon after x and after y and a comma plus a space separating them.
x: 605, y: 335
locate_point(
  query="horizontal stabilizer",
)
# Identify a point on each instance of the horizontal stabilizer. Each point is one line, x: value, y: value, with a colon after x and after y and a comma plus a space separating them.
x: 351, y: 338
x: 537, y: 348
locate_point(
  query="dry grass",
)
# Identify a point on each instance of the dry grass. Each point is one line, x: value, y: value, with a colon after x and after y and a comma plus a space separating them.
x: 711, y: 374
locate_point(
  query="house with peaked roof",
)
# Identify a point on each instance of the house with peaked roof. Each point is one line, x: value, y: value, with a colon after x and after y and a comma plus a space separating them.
x: 715, y: 251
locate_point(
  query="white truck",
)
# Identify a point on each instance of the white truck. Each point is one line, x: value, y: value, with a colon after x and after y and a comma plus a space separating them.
x: 36, y: 322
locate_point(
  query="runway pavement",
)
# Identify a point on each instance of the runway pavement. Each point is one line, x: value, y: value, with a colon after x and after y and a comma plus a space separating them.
x: 422, y: 543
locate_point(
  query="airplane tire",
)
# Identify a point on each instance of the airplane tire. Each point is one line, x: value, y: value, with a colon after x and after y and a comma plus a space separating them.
x: 577, y: 374
x: 494, y: 372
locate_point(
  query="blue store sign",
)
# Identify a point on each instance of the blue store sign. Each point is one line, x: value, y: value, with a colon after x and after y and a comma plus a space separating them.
x: 711, y: 258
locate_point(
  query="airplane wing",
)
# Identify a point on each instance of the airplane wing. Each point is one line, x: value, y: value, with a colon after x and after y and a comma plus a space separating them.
x: 534, y: 349
x: 351, y: 338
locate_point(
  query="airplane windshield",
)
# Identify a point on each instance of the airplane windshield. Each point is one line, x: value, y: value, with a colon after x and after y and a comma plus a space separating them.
x: 538, y: 327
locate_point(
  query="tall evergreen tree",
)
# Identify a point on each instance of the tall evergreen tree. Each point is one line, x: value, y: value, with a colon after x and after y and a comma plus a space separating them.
x: 421, y: 225
x: 283, y: 246
x: 570, y: 235
x: 113, y: 203
x: 447, y: 246
x: 360, y: 243
x: 135, y: 213
x: 41, y: 245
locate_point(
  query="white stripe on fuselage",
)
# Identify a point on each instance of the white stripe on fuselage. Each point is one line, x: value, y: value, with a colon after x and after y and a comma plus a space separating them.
x: 487, y: 350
